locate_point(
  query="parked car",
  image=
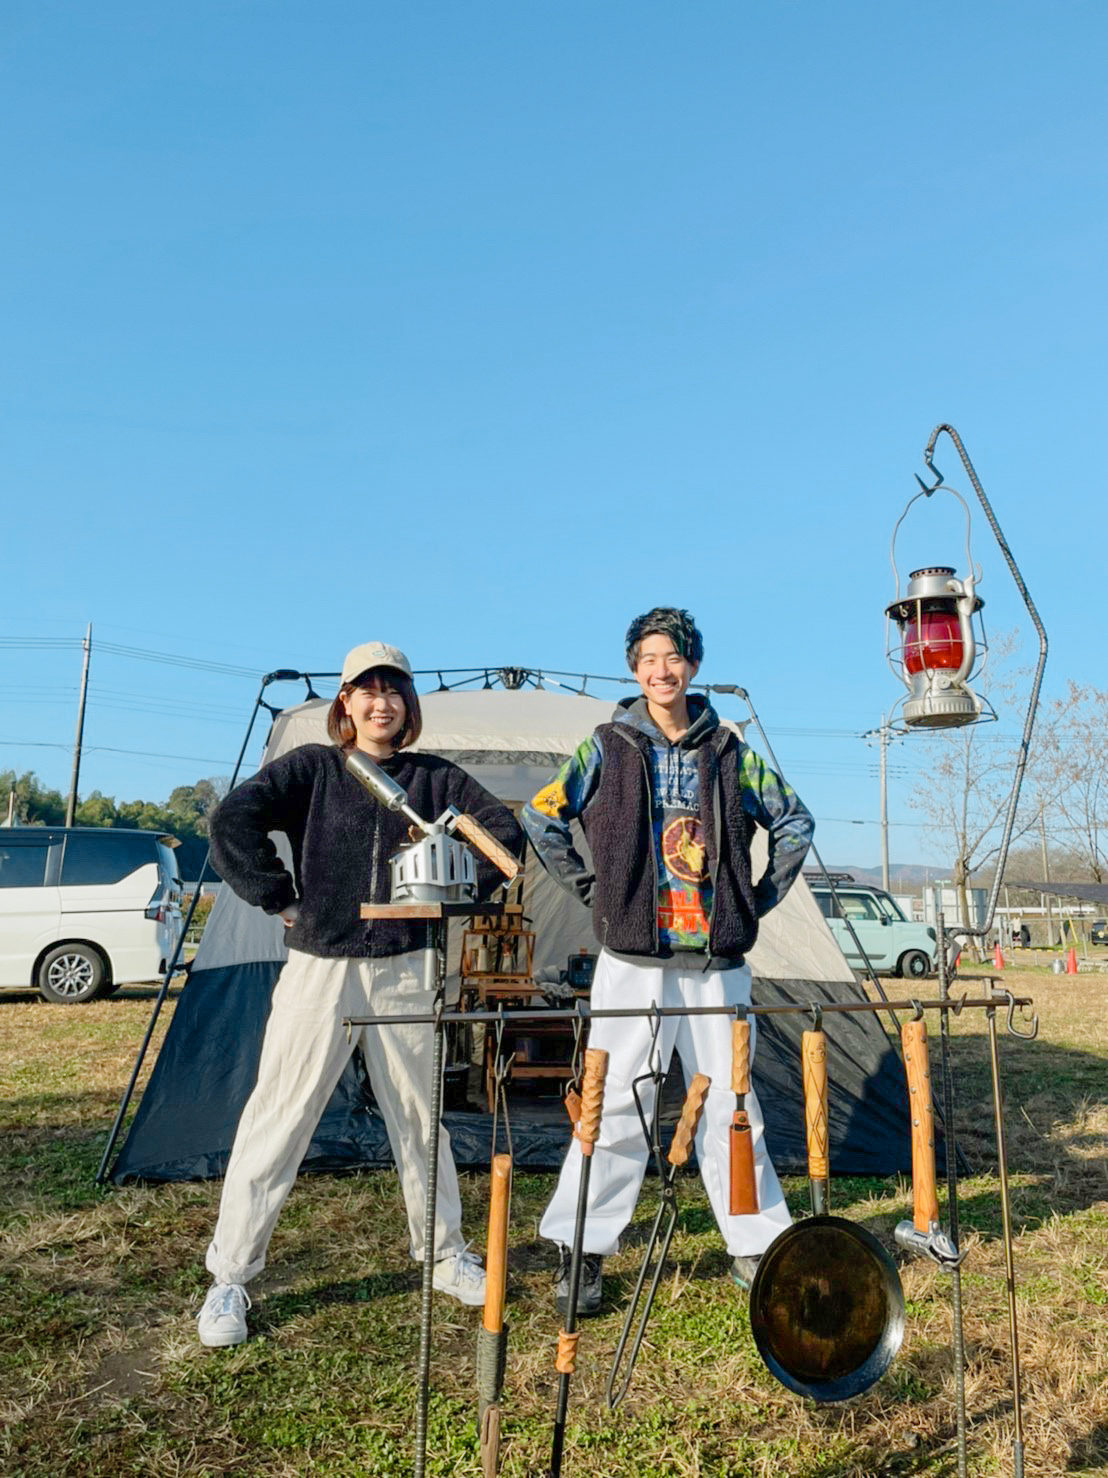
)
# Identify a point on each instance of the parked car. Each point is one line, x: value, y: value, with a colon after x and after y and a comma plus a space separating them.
x: 893, y: 944
x: 84, y: 910
x: 1098, y: 934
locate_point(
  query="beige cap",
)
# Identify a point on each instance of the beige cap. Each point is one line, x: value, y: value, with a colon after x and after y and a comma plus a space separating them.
x: 374, y: 654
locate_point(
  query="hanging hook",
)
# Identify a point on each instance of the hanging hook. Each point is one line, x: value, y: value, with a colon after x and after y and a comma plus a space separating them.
x: 917, y: 1008
x: 653, y: 1057
x: 1028, y: 1036
x: 501, y: 1069
x: 580, y: 1021
x: 817, y: 1017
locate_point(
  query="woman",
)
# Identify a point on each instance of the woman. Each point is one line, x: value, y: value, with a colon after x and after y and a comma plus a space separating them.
x: 338, y: 966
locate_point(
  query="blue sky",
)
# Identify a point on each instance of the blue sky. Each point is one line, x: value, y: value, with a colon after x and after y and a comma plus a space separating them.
x: 481, y: 328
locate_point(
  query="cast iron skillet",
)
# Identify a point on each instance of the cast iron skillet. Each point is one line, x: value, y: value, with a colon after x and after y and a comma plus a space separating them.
x: 826, y: 1304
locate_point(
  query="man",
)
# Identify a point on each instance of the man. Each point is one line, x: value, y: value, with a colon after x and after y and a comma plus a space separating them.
x: 668, y: 799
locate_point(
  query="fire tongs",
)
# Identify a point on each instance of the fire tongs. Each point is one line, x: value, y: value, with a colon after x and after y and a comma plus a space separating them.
x: 662, y: 1232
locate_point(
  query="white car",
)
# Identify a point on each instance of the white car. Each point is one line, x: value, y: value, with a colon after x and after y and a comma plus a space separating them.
x: 84, y: 910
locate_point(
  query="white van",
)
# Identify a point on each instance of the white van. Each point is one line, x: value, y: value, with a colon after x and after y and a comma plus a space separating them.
x: 893, y: 944
x: 84, y: 910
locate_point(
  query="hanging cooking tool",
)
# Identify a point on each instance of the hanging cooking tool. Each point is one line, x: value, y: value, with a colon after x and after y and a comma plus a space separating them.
x: 658, y: 1244
x: 923, y: 1235
x: 744, y: 1191
x: 492, y: 1336
x: 586, y: 1132
x: 826, y: 1304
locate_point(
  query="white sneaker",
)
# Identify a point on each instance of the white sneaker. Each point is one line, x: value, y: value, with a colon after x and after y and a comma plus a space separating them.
x: 461, y: 1275
x: 222, y: 1320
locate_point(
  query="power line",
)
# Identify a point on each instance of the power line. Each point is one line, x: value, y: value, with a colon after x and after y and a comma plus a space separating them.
x: 198, y: 759
x: 140, y: 654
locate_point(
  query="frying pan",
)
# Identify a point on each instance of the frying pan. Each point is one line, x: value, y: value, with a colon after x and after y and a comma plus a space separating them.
x: 826, y: 1304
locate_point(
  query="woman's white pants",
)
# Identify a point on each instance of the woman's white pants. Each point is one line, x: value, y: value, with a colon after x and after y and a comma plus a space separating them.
x: 304, y: 1052
x: 704, y: 1046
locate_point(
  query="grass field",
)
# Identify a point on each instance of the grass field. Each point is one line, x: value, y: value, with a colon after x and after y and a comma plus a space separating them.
x: 102, y: 1374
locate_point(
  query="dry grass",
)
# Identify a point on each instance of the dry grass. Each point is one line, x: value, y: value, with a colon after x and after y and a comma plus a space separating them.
x: 102, y: 1374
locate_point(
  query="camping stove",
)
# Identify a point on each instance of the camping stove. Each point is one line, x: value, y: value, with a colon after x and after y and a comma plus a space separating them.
x: 435, y: 867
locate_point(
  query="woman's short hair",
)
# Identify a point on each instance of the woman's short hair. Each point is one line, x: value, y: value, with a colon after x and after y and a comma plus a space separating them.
x: 340, y: 726
x: 679, y: 626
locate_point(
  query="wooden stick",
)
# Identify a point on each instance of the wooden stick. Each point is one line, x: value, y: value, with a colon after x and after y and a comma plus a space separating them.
x: 496, y: 1259
x: 925, y: 1194
x: 492, y: 1334
x: 683, y: 1136
x: 476, y: 835
x: 814, y: 1057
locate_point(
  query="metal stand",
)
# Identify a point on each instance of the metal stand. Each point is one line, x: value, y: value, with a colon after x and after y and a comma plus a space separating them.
x: 437, y: 916
x: 1006, y: 1220
x: 440, y: 1017
x: 952, y: 1198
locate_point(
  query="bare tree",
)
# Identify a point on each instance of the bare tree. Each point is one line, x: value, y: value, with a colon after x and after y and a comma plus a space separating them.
x: 1074, y: 765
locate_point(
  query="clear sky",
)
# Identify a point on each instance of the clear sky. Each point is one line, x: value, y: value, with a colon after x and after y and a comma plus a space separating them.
x: 481, y: 328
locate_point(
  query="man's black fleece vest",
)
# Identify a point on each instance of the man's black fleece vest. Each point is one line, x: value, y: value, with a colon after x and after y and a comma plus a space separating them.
x: 617, y: 823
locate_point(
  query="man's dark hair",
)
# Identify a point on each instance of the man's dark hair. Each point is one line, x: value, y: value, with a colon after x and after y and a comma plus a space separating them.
x: 679, y: 626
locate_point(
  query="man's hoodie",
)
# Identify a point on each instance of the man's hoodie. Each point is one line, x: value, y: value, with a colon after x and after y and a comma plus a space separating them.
x: 684, y: 888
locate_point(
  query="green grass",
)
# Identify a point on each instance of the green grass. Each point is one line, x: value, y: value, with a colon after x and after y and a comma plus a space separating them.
x: 102, y: 1374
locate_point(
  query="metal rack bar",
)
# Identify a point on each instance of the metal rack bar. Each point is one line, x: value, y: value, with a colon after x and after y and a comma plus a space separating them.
x: 568, y: 1013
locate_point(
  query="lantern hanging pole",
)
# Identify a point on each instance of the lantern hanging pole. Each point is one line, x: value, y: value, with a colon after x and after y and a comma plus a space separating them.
x: 1033, y: 702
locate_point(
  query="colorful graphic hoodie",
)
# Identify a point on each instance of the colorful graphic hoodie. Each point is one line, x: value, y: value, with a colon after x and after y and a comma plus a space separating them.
x: 682, y: 853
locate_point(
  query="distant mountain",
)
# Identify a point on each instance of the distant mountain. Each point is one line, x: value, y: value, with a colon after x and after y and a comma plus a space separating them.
x: 903, y: 876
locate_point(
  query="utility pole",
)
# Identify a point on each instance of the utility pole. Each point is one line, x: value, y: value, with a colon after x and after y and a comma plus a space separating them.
x: 1046, y: 879
x: 885, y: 802
x: 71, y: 805
x: 882, y: 736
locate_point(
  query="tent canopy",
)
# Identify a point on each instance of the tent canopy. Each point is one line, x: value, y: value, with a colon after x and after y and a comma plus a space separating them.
x: 511, y: 741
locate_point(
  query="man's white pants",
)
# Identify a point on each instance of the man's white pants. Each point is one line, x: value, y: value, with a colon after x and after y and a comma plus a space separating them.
x: 303, y: 1055
x: 704, y: 1046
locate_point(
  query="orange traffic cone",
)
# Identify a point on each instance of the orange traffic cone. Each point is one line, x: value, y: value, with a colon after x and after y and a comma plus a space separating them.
x: 998, y: 958
x: 1071, y: 962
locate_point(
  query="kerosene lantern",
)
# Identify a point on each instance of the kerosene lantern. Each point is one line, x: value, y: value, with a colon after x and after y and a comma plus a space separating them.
x: 937, y: 650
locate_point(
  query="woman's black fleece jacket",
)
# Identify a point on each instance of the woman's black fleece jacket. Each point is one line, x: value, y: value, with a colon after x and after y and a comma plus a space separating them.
x: 342, y: 840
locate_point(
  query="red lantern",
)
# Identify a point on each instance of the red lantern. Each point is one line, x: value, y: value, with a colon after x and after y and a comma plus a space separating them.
x: 937, y: 650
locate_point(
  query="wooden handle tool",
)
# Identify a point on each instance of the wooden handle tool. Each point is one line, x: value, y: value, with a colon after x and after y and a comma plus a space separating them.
x: 592, y: 1098
x: 476, y: 835
x: 744, y: 1191
x: 814, y: 1059
x: 923, y: 1235
x: 925, y: 1196
x: 683, y: 1136
x: 492, y: 1336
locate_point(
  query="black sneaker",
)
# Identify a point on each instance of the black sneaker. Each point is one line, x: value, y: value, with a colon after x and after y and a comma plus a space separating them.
x: 590, y: 1290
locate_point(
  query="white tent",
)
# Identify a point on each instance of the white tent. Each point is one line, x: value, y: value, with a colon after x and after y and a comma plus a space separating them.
x: 511, y: 740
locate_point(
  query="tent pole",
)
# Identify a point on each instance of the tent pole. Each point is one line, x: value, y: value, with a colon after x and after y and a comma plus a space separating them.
x: 171, y: 967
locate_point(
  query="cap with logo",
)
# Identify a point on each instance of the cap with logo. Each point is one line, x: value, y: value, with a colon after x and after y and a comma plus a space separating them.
x: 374, y: 654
